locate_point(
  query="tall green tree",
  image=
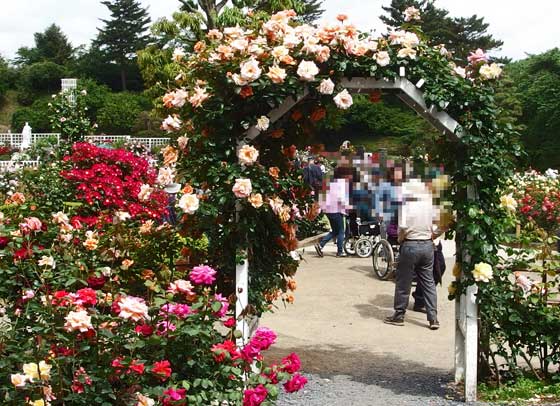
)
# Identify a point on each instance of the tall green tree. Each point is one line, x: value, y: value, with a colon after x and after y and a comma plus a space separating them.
x: 461, y: 35
x: 535, y: 83
x: 210, y: 10
x: 52, y: 45
x: 124, y: 33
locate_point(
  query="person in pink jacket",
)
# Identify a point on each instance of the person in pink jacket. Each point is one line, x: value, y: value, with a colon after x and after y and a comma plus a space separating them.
x: 335, y: 202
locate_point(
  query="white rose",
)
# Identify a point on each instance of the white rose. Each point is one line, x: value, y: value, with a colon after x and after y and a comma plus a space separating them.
x: 411, y: 13
x: 489, y: 72
x: 178, y: 54
x: 343, y: 100
x: 459, y: 71
x: 189, y: 203
x: 263, y: 123
x: 326, y: 86
x: 382, y: 58
x: 250, y: 70
x: 482, y: 272
x: 247, y: 155
x: 46, y: 261
x: 508, y: 202
x: 407, y: 52
x: 307, y: 70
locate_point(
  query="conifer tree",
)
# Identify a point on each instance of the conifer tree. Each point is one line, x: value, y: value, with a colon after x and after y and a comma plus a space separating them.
x: 461, y: 35
x: 124, y: 33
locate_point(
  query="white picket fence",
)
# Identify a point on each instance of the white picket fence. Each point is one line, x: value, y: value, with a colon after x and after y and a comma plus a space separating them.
x: 8, y: 166
x: 150, y: 142
x: 14, y: 140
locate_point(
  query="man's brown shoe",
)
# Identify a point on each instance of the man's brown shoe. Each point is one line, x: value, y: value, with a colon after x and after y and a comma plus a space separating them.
x: 434, y: 325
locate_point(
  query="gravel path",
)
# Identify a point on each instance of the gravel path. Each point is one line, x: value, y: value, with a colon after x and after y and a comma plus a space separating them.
x: 345, y: 391
x: 348, y: 355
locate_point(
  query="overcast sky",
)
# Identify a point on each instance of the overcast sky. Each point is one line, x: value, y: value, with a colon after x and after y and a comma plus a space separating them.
x: 524, y: 26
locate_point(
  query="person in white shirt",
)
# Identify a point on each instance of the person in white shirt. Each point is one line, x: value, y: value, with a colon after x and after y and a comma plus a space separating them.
x: 416, y: 219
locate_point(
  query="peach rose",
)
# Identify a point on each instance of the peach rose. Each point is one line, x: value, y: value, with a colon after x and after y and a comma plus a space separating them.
x: 326, y: 86
x: 242, y: 188
x: 276, y: 74
x: 256, y: 200
x: 307, y: 70
x: 343, y: 100
x: 78, y: 321
x: 247, y: 155
x: 274, y: 171
x: 250, y: 70
x: 170, y: 155
x: 189, y: 203
x: 133, y: 308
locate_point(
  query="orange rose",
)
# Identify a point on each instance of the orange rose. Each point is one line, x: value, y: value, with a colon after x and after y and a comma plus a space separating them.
x: 246, y: 91
x: 318, y: 114
x: 279, y: 133
x: 170, y: 155
x: 274, y: 171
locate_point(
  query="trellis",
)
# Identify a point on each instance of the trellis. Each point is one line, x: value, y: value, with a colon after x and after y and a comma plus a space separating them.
x: 466, y: 308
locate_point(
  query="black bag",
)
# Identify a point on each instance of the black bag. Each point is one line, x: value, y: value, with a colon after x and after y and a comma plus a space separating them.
x: 439, y: 264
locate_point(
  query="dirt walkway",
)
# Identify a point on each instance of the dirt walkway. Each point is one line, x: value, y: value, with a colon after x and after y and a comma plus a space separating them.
x: 351, y: 356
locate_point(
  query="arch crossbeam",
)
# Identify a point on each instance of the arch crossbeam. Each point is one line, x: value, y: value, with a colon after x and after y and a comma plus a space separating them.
x: 407, y: 92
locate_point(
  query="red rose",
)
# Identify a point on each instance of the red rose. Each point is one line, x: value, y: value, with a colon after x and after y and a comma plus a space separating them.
x: 96, y: 282
x: 296, y: 383
x: 144, y: 329
x: 85, y: 297
x: 4, y: 242
x: 291, y: 364
x: 162, y: 369
x: 137, y: 367
x: 255, y: 396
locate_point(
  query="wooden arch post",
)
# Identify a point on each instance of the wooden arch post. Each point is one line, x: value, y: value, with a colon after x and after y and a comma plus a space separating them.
x: 466, y: 308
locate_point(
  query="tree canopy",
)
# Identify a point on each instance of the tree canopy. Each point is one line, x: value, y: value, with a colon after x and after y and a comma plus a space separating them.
x: 124, y: 33
x: 461, y: 35
x: 52, y: 45
x: 535, y: 84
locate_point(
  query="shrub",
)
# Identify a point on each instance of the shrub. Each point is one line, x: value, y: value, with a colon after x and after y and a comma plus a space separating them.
x: 42, y: 77
x: 37, y: 116
x: 120, y: 113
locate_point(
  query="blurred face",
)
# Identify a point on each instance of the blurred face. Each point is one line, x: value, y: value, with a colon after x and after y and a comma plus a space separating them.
x: 398, y: 175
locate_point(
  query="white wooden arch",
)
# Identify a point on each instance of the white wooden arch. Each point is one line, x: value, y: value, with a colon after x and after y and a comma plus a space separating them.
x: 466, y: 309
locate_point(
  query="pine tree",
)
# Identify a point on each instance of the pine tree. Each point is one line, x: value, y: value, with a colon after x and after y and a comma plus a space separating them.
x: 50, y: 46
x: 124, y: 34
x: 460, y: 35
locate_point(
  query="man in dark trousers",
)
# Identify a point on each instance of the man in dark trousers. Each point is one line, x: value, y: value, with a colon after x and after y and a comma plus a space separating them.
x: 416, y: 253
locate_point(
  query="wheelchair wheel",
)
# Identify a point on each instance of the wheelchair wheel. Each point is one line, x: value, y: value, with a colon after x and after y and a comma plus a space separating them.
x: 363, y: 247
x: 383, y: 260
x: 349, y: 245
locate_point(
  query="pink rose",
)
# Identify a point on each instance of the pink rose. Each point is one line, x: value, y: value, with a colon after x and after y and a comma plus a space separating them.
x: 296, y: 383
x: 242, y: 188
x: 30, y: 224
x: 225, y: 305
x: 291, y: 364
x: 202, y: 275
x: 255, y: 396
x: 263, y: 338
x: 477, y: 56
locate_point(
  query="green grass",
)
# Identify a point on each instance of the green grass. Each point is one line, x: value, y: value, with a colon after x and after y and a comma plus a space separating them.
x: 7, y: 108
x: 519, y: 392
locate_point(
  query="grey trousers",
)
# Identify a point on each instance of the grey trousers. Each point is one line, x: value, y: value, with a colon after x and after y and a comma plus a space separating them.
x: 416, y: 258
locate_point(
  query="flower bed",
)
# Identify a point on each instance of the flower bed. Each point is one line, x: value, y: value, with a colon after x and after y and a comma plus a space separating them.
x: 99, y: 305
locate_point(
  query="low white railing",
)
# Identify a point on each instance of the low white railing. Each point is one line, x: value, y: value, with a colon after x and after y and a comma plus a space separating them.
x: 100, y: 139
x: 151, y: 142
x: 14, y: 140
x: 15, y: 165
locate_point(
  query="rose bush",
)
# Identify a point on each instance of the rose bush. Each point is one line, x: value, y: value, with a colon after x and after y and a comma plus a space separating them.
x: 107, y: 310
